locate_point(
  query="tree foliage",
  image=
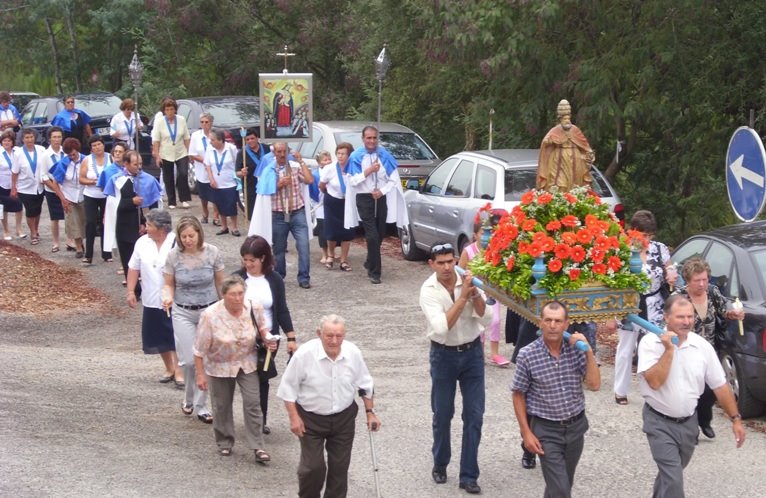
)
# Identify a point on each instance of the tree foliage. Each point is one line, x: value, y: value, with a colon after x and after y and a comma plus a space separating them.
x: 668, y: 81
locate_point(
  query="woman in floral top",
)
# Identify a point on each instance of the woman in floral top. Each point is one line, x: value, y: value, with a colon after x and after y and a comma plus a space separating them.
x: 225, y: 354
x: 709, y: 308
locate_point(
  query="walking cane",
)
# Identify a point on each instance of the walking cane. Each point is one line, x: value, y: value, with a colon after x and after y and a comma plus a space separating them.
x: 374, y: 464
x: 244, y: 166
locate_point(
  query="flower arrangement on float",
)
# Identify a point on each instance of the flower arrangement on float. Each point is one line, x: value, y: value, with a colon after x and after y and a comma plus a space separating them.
x: 558, y: 242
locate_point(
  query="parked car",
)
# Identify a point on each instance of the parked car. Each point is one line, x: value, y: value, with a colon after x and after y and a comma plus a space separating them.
x: 21, y: 99
x: 443, y: 208
x: 230, y: 112
x: 737, y: 258
x: 416, y: 159
x: 100, y: 106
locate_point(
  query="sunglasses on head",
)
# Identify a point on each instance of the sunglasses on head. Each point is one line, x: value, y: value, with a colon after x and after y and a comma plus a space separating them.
x: 442, y: 249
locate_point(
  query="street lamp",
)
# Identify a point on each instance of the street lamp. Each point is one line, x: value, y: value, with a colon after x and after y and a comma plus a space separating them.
x: 136, y: 71
x: 382, y: 63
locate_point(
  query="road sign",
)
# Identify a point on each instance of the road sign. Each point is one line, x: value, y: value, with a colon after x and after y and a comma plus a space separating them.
x: 746, y: 173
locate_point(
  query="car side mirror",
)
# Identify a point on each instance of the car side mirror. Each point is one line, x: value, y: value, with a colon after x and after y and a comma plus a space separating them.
x: 412, y: 184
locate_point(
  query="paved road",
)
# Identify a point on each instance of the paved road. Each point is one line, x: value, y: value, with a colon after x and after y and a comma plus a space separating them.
x: 82, y: 414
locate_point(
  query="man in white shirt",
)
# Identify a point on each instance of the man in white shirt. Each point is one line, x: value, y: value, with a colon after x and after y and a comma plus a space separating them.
x: 318, y: 388
x: 456, y: 313
x: 671, y: 380
x: 26, y: 181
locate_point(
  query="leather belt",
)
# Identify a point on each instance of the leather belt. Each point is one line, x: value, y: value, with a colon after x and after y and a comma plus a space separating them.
x: 678, y: 420
x: 194, y: 307
x: 459, y: 348
x: 568, y: 421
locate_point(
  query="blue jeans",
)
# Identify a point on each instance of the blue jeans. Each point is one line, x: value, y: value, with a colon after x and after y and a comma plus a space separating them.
x: 448, y: 368
x: 299, y: 228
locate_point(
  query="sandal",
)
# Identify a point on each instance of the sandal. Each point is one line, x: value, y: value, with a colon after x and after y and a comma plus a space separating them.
x: 621, y: 400
x: 224, y: 451
x: 187, y: 409
x: 345, y: 266
x: 55, y: 249
x: 35, y: 241
x: 323, y: 261
x: 261, y: 456
x: 87, y: 261
x: 70, y: 248
x: 216, y: 222
x: 500, y: 361
x: 328, y: 265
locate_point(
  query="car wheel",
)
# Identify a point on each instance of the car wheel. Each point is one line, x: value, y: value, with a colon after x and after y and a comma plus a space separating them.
x: 747, y: 404
x: 407, y: 242
x: 192, y: 180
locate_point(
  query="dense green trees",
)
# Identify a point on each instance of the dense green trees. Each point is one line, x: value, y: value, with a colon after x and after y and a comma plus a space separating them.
x: 668, y: 80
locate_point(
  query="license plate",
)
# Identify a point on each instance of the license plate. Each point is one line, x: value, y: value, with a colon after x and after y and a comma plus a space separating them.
x: 421, y: 181
x: 103, y: 131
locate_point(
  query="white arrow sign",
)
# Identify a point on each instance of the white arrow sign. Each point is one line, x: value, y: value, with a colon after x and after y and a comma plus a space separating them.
x: 740, y: 172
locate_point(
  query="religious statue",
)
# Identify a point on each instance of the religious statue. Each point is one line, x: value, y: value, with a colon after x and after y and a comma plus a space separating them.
x: 565, y: 155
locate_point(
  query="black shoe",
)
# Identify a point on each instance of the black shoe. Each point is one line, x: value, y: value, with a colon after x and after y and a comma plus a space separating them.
x: 439, y: 474
x: 471, y: 488
x: 375, y: 280
x: 206, y: 418
x: 708, y: 432
x: 222, y: 232
x: 304, y: 285
x: 266, y: 429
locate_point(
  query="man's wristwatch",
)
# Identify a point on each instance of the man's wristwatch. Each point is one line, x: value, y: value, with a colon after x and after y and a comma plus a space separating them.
x: 738, y: 416
x: 370, y: 410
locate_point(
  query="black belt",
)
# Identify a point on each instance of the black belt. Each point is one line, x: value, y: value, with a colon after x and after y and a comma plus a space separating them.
x: 678, y: 420
x: 459, y: 348
x: 568, y: 421
x: 194, y: 307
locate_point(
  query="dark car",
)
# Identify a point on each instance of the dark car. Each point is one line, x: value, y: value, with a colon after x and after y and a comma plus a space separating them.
x: 737, y: 258
x: 100, y: 106
x: 21, y: 99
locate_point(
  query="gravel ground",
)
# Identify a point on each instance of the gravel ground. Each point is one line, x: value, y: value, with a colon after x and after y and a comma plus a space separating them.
x: 83, y: 414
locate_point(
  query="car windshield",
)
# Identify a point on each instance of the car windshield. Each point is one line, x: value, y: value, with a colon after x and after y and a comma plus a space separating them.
x: 759, y: 257
x: 228, y: 114
x: 402, y: 145
x: 97, y: 105
x: 519, y: 180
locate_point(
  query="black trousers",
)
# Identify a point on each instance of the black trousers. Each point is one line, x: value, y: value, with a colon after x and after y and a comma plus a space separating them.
x: 334, y: 433
x: 94, y: 217
x: 180, y: 180
x: 705, y: 407
x: 374, y: 224
x: 126, y: 251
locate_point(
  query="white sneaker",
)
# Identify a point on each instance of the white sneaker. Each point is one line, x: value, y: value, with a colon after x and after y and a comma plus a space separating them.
x: 185, y: 205
x: 171, y: 206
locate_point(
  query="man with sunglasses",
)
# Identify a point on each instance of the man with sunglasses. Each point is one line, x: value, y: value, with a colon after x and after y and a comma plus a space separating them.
x: 456, y: 314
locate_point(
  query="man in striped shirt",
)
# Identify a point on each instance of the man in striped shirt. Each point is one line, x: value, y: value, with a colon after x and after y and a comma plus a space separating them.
x: 549, y: 401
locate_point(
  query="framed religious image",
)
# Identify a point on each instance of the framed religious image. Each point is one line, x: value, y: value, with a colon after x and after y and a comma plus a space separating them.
x: 286, y: 107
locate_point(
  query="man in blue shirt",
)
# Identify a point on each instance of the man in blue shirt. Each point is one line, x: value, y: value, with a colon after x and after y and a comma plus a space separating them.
x: 549, y: 401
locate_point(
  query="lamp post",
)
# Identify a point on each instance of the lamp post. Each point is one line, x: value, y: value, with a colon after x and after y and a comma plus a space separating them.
x: 382, y: 63
x: 136, y: 71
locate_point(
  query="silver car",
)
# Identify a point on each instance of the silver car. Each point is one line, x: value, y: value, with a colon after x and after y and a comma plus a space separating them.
x: 416, y: 159
x: 443, y: 208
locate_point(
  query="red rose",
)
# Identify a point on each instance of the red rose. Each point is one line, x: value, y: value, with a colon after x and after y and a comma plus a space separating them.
x: 545, y: 198
x: 599, y: 269
x: 561, y: 251
x: 528, y: 197
x: 569, y: 238
x: 509, y: 264
x: 584, y: 236
x: 574, y: 273
x: 554, y: 265
x: 570, y: 221
x: 614, y: 263
x: 529, y: 224
x: 553, y: 226
x: 577, y: 254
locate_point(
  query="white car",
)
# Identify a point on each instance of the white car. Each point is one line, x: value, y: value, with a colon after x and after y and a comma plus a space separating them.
x: 444, y: 207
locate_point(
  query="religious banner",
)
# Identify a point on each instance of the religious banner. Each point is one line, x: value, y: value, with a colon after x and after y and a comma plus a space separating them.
x: 286, y: 107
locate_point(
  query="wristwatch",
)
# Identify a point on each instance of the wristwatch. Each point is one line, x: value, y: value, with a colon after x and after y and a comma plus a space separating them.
x: 738, y: 416
x: 370, y: 410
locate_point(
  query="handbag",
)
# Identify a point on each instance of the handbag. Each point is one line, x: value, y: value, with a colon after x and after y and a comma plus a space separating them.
x: 260, y: 351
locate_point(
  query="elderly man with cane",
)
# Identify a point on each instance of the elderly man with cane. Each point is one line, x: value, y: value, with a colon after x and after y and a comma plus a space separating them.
x: 318, y: 388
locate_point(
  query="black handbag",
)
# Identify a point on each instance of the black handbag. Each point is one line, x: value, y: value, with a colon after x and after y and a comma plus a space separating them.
x: 261, y: 350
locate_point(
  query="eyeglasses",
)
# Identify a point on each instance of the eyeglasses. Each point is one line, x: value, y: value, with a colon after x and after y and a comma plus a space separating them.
x: 204, y: 121
x: 442, y: 249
